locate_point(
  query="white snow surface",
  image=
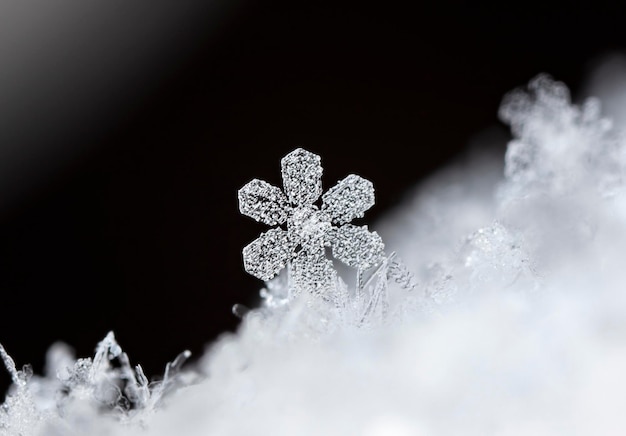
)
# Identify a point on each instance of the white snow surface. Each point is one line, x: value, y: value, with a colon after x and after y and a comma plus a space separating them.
x: 517, y: 325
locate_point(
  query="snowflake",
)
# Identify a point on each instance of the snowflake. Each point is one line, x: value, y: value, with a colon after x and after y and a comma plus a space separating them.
x: 310, y: 229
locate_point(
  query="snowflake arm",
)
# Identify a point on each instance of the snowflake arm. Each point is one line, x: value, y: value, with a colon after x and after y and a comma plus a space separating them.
x: 268, y: 254
x: 302, y: 177
x: 312, y: 272
x: 348, y: 199
x: 357, y: 247
x: 263, y: 202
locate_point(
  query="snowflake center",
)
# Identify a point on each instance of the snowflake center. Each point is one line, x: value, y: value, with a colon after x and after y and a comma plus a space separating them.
x: 308, y: 226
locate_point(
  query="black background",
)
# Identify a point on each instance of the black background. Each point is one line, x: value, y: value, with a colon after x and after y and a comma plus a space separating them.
x: 137, y: 229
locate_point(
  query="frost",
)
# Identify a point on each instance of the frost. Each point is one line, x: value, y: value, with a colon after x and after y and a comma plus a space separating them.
x: 310, y: 229
x: 348, y: 199
x: 19, y: 414
x: 500, y: 311
x: 86, y: 395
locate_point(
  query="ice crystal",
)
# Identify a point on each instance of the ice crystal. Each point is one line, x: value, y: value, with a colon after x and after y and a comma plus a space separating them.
x: 483, y: 339
x: 90, y: 394
x: 310, y: 229
x: 559, y: 146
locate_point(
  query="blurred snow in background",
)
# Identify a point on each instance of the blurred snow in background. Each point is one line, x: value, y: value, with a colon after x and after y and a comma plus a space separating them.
x: 516, y: 325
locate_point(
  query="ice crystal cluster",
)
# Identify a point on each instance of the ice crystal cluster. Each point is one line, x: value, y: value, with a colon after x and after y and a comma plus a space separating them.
x: 511, y: 321
x: 84, y: 396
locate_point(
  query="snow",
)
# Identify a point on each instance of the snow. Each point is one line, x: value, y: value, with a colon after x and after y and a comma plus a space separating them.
x: 513, y: 322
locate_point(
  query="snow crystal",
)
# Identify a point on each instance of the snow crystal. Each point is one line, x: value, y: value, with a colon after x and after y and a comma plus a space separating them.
x: 301, y: 247
x: 96, y: 396
x: 505, y: 316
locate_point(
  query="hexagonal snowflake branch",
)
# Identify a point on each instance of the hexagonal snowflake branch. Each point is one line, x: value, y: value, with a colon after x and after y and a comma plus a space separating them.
x: 263, y: 202
x: 348, y: 199
x: 268, y: 254
x: 302, y: 177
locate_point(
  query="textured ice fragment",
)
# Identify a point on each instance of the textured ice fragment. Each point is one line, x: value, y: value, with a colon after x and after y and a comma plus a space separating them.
x: 263, y: 202
x: 496, y: 256
x: 348, y: 199
x: 398, y: 271
x: 302, y: 176
x: 357, y: 247
x: 9, y: 364
x: 268, y: 254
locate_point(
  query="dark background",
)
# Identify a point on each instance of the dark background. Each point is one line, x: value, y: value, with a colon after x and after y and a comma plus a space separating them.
x: 126, y: 129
